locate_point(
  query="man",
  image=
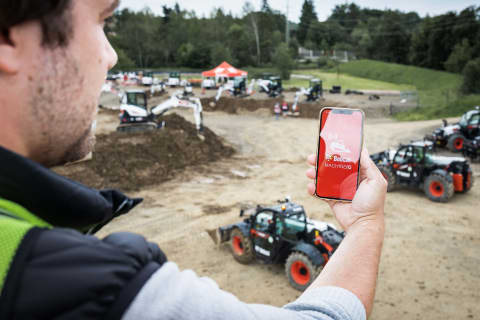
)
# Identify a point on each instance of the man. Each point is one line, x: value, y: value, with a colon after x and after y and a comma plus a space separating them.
x: 54, y: 57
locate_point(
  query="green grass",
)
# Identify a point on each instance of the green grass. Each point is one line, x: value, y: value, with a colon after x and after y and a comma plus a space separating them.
x: 438, y: 91
x: 346, y: 81
x: 423, y: 79
x: 453, y: 109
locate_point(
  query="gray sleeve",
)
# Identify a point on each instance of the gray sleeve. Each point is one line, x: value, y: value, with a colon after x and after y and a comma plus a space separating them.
x: 171, y: 294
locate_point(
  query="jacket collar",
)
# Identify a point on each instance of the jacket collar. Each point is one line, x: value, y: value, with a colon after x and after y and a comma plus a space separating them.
x: 55, y: 199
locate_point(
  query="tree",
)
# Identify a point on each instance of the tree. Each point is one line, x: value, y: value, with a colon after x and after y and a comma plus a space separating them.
x: 219, y: 54
x: 283, y: 61
x: 184, y: 53
x: 471, y: 77
x: 266, y: 7
x: 306, y: 19
x: 390, y: 39
x: 124, y: 61
x: 461, y: 54
x: 239, y: 42
x: 248, y: 10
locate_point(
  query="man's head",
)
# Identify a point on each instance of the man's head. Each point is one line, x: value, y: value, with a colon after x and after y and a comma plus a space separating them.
x: 54, y: 57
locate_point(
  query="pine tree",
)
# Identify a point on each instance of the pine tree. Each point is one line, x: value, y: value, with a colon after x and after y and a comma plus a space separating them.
x: 266, y: 7
x: 307, y: 18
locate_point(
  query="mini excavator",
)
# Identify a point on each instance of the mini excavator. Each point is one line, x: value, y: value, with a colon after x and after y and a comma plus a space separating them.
x: 135, y: 115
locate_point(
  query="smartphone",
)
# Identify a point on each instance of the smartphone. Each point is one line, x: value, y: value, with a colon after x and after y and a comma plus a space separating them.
x: 340, y: 144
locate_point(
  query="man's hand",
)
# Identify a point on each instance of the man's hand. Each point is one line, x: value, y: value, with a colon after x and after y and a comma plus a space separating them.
x: 354, y: 265
x: 367, y: 205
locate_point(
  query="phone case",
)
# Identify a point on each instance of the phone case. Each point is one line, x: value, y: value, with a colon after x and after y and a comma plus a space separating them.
x: 318, y: 150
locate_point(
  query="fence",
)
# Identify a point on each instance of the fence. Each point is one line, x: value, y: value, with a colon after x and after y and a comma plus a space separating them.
x: 313, y: 55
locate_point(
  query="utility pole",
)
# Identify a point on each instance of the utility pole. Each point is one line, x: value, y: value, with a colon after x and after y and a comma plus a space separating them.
x: 287, y: 26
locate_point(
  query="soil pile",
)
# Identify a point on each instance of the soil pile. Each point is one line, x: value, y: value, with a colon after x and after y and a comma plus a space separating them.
x: 131, y: 161
x: 234, y: 105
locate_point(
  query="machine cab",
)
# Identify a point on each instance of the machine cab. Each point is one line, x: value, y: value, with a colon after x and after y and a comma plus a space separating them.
x: 239, y: 85
x: 408, y: 155
x: 275, y: 83
x: 174, y: 79
x: 410, y: 160
x: 274, y: 227
x: 238, y: 82
x: 316, y: 88
x: 470, y: 123
x: 174, y: 75
x: 135, y: 98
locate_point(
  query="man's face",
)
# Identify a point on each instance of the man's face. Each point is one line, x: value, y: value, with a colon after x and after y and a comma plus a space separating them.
x: 66, y: 85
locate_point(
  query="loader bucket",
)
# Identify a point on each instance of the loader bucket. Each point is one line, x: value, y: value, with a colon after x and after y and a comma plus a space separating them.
x: 220, y: 235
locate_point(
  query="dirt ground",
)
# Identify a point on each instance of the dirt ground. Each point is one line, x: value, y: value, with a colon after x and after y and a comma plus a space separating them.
x: 431, y: 256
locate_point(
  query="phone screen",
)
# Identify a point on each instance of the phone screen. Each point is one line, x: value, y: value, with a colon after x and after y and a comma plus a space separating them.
x: 339, y: 149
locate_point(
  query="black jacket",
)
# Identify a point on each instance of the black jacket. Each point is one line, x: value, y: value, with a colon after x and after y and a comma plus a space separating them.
x: 61, y: 273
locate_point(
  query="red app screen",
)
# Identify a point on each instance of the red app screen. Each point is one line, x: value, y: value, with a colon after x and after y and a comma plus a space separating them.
x: 339, y: 151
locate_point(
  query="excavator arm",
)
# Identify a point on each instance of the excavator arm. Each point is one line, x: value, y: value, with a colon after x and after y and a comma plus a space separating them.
x: 177, y: 100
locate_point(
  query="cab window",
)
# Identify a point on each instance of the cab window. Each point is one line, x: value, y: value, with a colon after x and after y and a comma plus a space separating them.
x: 136, y: 99
x: 474, y: 120
x: 418, y: 154
x: 403, y: 155
x: 263, y: 221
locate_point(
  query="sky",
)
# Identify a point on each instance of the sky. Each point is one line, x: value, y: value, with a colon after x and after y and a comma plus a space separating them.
x: 323, y: 7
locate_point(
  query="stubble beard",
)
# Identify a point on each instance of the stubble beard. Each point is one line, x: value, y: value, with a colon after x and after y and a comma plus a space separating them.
x: 61, y: 112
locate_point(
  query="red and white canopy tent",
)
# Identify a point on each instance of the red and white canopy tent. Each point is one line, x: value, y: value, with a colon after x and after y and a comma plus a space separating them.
x: 225, y: 70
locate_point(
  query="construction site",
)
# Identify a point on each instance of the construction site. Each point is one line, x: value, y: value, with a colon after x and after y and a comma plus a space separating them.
x: 247, y: 155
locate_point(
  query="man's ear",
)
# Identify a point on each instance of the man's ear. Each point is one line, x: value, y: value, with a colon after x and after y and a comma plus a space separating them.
x: 9, y: 57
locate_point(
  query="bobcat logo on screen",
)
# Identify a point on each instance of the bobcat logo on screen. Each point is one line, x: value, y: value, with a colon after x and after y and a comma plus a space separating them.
x: 338, y: 162
x: 338, y: 146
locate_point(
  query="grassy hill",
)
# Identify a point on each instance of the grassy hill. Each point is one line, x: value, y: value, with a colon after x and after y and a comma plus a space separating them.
x: 438, y: 91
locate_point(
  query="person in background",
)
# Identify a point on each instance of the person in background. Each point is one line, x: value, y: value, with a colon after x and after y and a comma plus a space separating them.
x: 285, y: 108
x: 277, y: 110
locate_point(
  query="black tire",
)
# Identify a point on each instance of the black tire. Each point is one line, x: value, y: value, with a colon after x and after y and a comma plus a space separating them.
x: 241, y: 247
x: 301, y: 271
x: 456, y: 142
x: 469, y: 184
x: 438, y: 188
x: 388, y: 174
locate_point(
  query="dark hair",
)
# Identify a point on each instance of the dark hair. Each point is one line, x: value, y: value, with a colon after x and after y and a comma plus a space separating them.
x: 53, y: 15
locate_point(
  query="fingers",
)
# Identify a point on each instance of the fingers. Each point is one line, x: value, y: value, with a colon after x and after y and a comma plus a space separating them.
x: 368, y: 169
x: 311, y: 173
x: 311, y: 188
x: 370, y: 174
x: 312, y: 159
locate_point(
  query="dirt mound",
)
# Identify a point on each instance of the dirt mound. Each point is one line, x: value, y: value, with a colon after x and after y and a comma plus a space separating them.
x: 233, y: 106
x: 130, y: 161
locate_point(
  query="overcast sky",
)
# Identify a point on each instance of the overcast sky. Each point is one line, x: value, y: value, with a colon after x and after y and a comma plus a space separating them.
x: 323, y: 7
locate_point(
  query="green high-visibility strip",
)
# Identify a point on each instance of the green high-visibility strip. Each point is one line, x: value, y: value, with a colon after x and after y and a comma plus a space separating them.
x: 12, y: 232
x: 15, y: 222
x: 22, y: 213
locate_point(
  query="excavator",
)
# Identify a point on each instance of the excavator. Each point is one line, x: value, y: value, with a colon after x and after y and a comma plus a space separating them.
x: 273, y: 87
x: 136, y: 117
x: 313, y: 93
x: 238, y: 89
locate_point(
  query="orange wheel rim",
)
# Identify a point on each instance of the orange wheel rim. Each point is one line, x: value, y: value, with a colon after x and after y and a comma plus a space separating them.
x: 436, y: 189
x: 458, y: 143
x: 300, y: 273
x: 237, y: 245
